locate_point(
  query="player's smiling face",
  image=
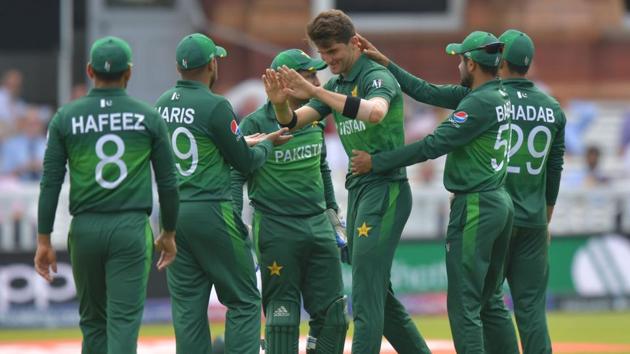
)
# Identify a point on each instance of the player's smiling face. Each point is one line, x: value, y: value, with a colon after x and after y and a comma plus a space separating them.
x: 339, y: 56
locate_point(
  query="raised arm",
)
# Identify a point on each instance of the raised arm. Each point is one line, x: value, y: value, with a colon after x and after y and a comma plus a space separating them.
x: 371, y: 110
x: 277, y: 93
x: 446, y: 96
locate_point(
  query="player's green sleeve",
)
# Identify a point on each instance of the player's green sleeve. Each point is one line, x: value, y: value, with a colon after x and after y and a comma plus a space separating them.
x: 379, y: 83
x: 554, y: 165
x: 446, y: 96
x: 232, y: 145
x: 247, y: 127
x: 237, y: 182
x: 322, y: 108
x: 445, y: 138
x: 54, y: 172
x: 165, y: 175
x: 329, y: 190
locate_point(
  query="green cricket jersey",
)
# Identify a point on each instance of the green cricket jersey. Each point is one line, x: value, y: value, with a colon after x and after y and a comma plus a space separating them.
x: 295, y: 180
x: 536, y: 154
x: 475, y: 137
x: 367, y: 80
x: 206, y: 141
x: 108, y: 140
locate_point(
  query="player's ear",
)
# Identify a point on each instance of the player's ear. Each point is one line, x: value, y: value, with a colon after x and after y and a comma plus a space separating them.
x: 471, y: 65
x: 127, y: 74
x: 354, y: 41
x: 90, y: 71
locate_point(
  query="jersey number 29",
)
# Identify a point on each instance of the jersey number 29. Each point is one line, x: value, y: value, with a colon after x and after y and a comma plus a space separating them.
x: 516, y: 145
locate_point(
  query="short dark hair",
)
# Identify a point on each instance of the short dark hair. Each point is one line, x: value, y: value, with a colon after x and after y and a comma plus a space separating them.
x: 330, y: 27
x: 519, y: 69
x: 109, y: 77
x: 190, y: 74
x: 491, y: 70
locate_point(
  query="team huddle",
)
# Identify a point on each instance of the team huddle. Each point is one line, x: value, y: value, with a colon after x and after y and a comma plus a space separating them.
x: 504, y: 144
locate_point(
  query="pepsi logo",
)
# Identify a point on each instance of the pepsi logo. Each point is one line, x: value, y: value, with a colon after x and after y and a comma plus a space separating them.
x: 460, y: 117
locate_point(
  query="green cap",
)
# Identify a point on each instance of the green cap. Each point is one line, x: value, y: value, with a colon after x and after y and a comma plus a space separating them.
x: 298, y: 60
x: 196, y: 50
x: 519, y: 48
x: 482, y: 47
x: 110, y: 55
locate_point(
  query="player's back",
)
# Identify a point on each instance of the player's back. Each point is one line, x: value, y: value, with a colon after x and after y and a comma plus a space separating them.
x: 537, y: 133
x: 478, y: 164
x: 108, y: 138
x: 192, y: 114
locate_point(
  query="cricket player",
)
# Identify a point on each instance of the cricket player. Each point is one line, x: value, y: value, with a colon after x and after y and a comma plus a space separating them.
x: 109, y: 140
x: 476, y: 139
x: 367, y: 106
x: 536, y: 159
x: 211, y: 239
x: 295, y: 245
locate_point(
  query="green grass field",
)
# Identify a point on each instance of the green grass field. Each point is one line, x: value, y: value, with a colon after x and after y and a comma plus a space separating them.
x: 612, y: 328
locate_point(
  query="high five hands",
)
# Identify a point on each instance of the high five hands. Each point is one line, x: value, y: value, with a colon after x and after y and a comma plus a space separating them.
x: 286, y: 82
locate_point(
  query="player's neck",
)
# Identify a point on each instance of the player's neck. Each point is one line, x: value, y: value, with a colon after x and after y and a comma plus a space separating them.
x: 99, y: 84
x: 510, y: 76
x: 481, y: 79
x: 355, y: 57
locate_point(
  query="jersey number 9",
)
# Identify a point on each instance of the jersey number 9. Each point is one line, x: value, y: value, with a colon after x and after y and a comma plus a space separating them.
x: 191, y: 153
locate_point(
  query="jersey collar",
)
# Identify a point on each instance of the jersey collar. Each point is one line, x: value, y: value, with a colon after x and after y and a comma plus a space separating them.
x: 489, y: 83
x: 107, y: 92
x: 192, y: 84
x: 521, y: 82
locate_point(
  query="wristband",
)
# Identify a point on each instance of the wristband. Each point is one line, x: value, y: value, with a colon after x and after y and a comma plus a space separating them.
x: 292, y: 123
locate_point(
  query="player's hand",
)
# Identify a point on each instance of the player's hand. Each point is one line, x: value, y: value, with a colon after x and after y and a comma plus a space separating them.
x: 45, y: 258
x: 274, y: 86
x: 361, y: 162
x: 339, y: 225
x: 165, y: 244
x: 279, y: 137
x: 296, y: 84
x: 254, y: 139
x: 370, y: 50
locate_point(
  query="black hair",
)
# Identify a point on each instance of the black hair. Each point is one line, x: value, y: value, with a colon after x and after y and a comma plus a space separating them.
x: 519, y: 69
x: 109, y: 77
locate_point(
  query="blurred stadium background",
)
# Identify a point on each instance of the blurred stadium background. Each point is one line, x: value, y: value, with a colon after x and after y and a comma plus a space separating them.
x: 582, y: 55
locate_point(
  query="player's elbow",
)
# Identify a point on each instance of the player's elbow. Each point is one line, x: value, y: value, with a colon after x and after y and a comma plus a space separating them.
x: 377, y: 114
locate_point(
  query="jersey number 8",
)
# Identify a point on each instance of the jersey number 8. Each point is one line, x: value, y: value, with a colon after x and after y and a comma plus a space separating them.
x: 110, y: 159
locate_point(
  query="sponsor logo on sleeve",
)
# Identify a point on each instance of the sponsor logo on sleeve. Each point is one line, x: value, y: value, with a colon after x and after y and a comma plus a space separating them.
x: 458, y: 118
x: 235, y: 129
